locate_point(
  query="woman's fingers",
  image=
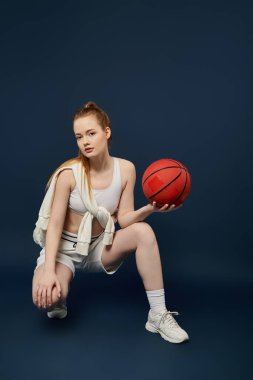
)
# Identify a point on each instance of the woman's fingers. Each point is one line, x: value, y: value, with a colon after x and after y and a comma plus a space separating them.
x: 49, y: 296
x: 176, y: 208
x: 36, y: 294
x: 162, y: 207
x: 44, y: 297
x: 167, y: 207
x: 58, y: 286
x: 39, y: 290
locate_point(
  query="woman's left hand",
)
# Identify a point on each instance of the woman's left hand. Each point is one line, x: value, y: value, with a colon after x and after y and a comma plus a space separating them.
x: 164, y: 208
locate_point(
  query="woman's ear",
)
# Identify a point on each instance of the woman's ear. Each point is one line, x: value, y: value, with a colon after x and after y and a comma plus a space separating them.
x: 108, y: 132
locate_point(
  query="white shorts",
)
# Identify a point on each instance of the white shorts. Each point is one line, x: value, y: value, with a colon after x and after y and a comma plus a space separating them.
x: 67, y: 255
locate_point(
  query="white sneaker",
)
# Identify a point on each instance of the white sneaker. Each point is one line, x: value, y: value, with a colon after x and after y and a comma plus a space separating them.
x: 60, y: 311
x: 166, y: 326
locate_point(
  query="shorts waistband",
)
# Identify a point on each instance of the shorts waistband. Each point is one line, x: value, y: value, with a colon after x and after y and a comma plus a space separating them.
x: 69, y: 233
x: 66, y: 235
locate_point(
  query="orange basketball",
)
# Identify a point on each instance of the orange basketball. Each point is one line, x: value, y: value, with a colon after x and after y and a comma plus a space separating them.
x: 166, y: 181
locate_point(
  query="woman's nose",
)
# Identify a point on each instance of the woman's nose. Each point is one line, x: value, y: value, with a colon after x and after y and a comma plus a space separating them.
x: 85, y: 142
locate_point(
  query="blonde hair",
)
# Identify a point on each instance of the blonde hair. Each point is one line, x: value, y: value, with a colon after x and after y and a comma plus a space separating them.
x: 90, y: 108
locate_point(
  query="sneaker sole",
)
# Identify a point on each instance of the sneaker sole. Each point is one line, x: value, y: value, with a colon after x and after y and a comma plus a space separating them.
x: 153, y: 329
x: 57, y: 314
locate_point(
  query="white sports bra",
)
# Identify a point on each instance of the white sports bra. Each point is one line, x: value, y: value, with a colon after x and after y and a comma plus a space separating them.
x: 108, y: 197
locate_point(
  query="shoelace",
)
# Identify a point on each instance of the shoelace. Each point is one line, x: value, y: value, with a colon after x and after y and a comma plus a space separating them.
x: 167, y: 316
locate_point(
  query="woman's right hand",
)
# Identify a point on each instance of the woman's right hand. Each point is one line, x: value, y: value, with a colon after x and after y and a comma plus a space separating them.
x: 46, y: 283
x: 165, y: 208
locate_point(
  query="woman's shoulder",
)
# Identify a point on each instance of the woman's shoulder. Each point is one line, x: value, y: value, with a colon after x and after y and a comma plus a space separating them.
x: 66, y: 175
x: 127, y: 169
x: 126, y: 163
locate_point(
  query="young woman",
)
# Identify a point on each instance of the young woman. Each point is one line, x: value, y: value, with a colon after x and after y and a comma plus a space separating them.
x: 112, y: 182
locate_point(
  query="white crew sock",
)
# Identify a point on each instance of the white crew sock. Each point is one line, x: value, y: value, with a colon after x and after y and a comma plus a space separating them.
x: 156, y: 299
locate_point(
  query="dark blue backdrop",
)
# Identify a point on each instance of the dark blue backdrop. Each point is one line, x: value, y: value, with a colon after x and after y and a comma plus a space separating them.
x: 176, y: 81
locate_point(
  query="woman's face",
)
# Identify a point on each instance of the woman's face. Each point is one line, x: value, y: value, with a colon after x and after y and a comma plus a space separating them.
x: 89, y: 134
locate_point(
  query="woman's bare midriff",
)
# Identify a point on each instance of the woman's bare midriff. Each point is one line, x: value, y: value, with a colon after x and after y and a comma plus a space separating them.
x: 73, y: 220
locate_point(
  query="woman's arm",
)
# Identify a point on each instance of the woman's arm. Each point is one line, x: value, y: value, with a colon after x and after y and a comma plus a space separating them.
x: 131, y: 217
x: 57, y: 218
x: 126, y: 213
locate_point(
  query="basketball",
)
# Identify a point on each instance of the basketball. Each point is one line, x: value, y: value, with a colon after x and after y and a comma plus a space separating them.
x: 166, y: 181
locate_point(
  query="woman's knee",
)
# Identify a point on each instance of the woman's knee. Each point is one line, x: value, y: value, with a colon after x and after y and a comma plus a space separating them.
x: 144, y: 232
x: 63, y: 295
x: 64, y: 275
x: 54, y: 296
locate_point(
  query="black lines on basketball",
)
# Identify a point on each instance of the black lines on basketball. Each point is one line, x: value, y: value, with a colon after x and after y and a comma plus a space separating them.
x: 183, y: 188
x: 168, y: 184
x: 158, y: 170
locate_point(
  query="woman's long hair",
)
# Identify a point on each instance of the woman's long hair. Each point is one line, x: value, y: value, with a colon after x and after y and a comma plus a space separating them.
x: 90, y: 108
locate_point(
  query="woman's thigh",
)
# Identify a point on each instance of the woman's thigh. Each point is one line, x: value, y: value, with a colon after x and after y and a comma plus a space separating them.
x: 126, y: 241
x: 64, y: 275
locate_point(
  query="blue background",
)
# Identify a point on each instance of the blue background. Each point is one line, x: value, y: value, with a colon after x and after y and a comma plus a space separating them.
x: 175, y: 79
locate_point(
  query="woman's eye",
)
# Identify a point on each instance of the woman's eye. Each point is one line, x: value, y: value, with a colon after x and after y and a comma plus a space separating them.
x: 91, y: 133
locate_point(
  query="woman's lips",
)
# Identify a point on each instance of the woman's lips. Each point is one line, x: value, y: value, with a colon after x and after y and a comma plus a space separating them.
x: 88, y: 150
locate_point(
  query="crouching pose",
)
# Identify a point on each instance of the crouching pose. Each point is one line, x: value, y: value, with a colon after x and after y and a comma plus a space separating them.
x: 85, y: 196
